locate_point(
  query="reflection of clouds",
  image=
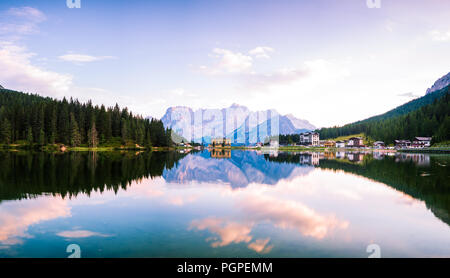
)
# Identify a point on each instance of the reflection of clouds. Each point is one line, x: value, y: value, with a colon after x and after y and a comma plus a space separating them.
x: 229, y: 232
x: 260, y: 246
x: 257, y: 207
x: 288, y: 214
x: 17, y: 216
x: 80, y: 234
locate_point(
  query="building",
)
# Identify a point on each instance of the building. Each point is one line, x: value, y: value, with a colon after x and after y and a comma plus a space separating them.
x: 421, y: 142
x: 355, y: 142
x: 379, y: 144
x: 401, y: 144
x: 274, y: 144
x: 221, y: 143
x: 329, y: 144
x: 340, y: 144
x: 309, y: 139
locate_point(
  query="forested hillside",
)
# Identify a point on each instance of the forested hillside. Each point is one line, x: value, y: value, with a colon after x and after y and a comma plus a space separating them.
x: 425, y: 116
x: 37, y: 120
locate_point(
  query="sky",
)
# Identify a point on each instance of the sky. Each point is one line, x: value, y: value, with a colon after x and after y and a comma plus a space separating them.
x: 329, y: 62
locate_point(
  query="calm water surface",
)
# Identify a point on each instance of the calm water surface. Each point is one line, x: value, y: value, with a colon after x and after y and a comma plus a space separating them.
x: 238, y: 204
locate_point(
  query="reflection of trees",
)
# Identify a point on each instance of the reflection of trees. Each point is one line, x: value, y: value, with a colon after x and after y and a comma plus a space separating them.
x: 429, y: 184
x: 23, y: 174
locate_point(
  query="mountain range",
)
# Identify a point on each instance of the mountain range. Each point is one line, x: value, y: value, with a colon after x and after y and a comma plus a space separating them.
x: 236, y: 122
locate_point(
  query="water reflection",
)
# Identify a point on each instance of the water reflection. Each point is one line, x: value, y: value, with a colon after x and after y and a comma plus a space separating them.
x: 275, y: 204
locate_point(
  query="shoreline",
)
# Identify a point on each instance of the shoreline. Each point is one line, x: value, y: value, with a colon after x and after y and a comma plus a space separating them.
x: 58, y: 149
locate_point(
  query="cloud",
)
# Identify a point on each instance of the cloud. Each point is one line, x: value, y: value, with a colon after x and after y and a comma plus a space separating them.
x: 261, y: 52
x: 278, y: 77
x: 228, y: 62
x: 18, y: 22
x: 80, y: 234
x: 28, y: 13
x: 260, y: 246
x: 409, y: 95
x: 83, y: 58
x: 16, y: 217
x: 17, y: 72
x: 440, y: 36
x: 229, y: 232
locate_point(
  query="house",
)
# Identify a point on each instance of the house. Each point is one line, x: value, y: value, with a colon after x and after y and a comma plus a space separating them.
x: 355, y: 142
x: 274, y: 144
x: 309, y: 139
x: 340, y: 144
x: 379, y: 144
x: 221, y: 143
x: 329, y: 144
x: 400, y: 144
x: 421, y: 142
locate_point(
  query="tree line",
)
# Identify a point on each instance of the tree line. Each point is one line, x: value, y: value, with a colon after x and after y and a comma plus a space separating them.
x: 32, y: 119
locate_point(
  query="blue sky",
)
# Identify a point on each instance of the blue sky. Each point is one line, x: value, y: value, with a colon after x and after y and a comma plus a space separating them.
x: 330, y: 62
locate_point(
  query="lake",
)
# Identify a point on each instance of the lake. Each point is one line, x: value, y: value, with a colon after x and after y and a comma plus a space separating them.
x: 224, y: 204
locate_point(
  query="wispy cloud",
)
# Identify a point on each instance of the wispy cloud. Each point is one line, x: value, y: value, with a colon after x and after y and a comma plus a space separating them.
x: 408, y: 95
x: 28, y: 13
x: 18, y: 72
x: 228, y: 61
x: 17, y: 22
x: 83, y: 58
x: 440, y: 36
x: 277, y: 77
x: 80, y: 234
x: 261, y: 52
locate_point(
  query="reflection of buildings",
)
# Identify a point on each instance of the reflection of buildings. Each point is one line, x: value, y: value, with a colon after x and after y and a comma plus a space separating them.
x: 355, y: 157
x: 329, y: 155
x: 418, y: 158
x: 221, y: 153
x: 340, y: 155
x: 309, y: 158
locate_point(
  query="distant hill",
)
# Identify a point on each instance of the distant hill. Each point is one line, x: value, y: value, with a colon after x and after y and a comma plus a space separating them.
x: 424, y: 116
x: 1, y: 87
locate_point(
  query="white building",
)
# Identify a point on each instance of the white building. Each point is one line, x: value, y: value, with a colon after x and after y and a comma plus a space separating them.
x: 310, y: 139
x: 421, y: 142
x: 340, y: 144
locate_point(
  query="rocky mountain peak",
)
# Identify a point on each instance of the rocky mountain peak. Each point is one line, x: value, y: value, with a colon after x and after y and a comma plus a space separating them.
x: 440, y: 83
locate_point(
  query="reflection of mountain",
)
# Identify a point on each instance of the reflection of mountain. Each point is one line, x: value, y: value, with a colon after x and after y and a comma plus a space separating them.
x: 241, y: 169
